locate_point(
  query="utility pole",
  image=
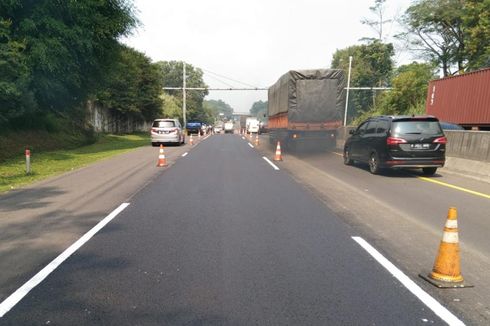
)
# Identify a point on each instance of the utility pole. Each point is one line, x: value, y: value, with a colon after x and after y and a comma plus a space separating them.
x: 347, y: 95
x: 184, y: 108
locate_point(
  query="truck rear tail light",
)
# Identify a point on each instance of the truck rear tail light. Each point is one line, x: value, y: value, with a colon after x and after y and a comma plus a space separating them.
x: 440, y: 140
x: 395, y: 141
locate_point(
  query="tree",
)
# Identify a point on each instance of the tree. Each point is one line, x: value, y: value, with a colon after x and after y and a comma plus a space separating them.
x: 173, y: 77
x: 63, y: 47
x: 259, y: 109
x: 170, y: 107
x: 133, y: 87
x: 372, y: 67
x: 15, y: 97
x: 454, y: 34
x: 377, y: 23
x: 219, y: 106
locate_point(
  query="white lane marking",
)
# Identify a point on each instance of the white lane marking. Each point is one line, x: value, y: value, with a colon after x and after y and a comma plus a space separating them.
x: 250, y: 145
x: 243, y: 138
x: 272, y: 164
x: 423, y: 296
x: 21, y: 292
x: 185, y: 154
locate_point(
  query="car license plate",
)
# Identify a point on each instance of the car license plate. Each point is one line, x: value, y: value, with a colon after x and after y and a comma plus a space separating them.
x: 420, y: 146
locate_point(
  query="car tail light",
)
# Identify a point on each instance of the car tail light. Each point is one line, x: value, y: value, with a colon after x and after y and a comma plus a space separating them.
x: 395, y: 141
x: 440, y: 140
x: 174, y: 130
x: 154, y: 130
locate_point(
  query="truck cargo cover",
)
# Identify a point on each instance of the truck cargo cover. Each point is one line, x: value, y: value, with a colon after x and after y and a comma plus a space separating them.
x: 309, y: 95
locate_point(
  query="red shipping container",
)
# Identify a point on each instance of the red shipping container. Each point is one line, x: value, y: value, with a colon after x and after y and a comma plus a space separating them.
x: 462, y: 99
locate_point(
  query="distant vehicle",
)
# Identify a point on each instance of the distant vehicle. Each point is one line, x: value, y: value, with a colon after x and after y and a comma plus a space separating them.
x: 263, y: 128
x: 253, y: 125
x: 229, y: 127
x: 166, y: 131
x: 397, y: 142
x: 194, y: 127
x: 450, y: 126
x: 218, y: 128
x: 305, y: 108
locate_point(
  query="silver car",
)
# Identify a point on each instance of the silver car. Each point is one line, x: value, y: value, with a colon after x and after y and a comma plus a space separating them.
x: 166, y: 131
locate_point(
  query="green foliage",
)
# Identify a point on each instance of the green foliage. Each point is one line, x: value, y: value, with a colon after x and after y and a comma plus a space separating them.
x: 217, y: 107
x: 15, y: 96
x: 408, y: 94
x: 57, y: 51
x: 259, y: 109
x: 170, y: 107
x: 372, y: 66
x: 172, y: 72
x: 454, y: 34
x: 133, y: 86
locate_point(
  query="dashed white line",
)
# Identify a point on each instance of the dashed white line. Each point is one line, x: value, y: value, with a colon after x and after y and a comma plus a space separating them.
x: 272, y: 164
x: 243, y: 138
x: 21, y: 292
x: 250, y: 145
x: 185, y: 154
x: 416, y: 290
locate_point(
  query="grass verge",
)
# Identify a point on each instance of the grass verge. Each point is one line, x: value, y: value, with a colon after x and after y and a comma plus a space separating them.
x: 50, y: 163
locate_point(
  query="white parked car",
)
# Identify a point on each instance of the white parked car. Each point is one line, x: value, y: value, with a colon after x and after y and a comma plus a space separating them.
x: 166, y: 131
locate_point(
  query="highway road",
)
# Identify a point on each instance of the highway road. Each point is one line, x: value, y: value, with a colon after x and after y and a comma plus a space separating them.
x: 223, y: 237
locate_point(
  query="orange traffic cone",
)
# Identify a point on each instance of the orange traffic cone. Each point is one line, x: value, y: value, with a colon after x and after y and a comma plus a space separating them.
x: 278, y: 156
x: 447, y: 266
x: 257, y: 140
x: 162, y: 161
x: 191, y: 141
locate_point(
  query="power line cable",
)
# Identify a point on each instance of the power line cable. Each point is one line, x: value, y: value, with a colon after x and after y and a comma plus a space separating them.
x: 236, y: 81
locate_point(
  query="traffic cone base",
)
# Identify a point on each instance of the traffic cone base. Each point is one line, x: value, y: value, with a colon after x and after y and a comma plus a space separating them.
x: 447, y: 270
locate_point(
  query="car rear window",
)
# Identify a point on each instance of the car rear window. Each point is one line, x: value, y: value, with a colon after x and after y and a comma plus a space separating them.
x: 417, y: 127
x: 163, y: 124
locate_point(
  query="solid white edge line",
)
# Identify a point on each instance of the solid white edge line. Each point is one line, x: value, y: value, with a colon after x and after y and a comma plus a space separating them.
x: 21, y: 292
x: 272, y: 164
x: 416, y: 290
x: 250, y: 145
x: 185, y: 154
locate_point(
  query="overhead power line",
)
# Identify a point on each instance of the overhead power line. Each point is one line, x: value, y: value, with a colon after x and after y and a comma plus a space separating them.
x: 234, y: 80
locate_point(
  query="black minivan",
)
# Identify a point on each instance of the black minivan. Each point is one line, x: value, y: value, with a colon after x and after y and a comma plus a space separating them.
x: 397, y: 142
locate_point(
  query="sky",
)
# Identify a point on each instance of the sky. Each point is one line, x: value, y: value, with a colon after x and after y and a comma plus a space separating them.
x: 253, y: 42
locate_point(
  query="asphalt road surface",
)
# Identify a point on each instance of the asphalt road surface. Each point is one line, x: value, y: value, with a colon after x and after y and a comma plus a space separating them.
x: 222, y: 238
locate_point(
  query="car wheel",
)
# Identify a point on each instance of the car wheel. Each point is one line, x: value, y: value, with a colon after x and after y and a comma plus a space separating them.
x: 429, y: 171
x: 347, y: 158
x: 374, y: 163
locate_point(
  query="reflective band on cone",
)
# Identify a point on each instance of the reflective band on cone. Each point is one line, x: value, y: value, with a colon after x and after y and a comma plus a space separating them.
x: 191, y: 141
x: 257, y: 140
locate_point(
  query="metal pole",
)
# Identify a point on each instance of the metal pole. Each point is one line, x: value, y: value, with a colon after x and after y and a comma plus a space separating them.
x: 184, y: 108
x: 347, y: 95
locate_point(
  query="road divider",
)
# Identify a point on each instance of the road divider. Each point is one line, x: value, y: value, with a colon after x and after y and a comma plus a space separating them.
x: 21, y: 292
x: 416, y: 290
x: 271, y: 164
x: 446, y: 272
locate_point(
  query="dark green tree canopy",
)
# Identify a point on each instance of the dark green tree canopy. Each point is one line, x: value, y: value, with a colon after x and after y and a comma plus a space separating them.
x: 172, y: 72
x: 259, y: 109
x: 61, y: 48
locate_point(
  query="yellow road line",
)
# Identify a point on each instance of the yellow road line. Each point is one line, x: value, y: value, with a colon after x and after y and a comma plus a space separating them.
x: 455, y: 187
